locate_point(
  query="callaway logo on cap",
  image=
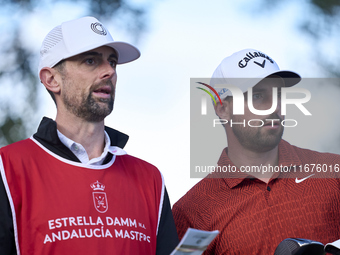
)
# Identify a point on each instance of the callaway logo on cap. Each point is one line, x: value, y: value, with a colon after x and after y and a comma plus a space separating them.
x: 245, y: 69
x: 251, y: 55
x: 80, y: 35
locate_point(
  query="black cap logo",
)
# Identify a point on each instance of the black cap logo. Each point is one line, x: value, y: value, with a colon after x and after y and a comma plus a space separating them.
x: 98, y: 28
x: 251, y: 55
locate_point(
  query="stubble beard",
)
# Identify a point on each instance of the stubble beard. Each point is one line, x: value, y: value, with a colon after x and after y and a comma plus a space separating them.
x: 87, y: 107
x: 255, y: 139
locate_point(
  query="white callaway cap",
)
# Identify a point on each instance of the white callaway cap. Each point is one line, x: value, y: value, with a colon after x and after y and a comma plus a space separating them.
x: 245, y: 69
x: 80, y: 35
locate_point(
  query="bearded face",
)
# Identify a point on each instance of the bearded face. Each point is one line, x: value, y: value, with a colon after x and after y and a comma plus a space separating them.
x: 259, y: 139
x: 265, y: 132
x: 86, y: 105
x: 88, y: 83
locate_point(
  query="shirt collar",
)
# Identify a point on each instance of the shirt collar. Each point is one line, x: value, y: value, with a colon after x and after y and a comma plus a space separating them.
x: 80, y: 152
x: 287, y: 158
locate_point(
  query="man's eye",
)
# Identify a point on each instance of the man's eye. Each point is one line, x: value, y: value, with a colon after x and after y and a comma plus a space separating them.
x: 257, y: 96
x: 89, y: 61
x: 113, y: 63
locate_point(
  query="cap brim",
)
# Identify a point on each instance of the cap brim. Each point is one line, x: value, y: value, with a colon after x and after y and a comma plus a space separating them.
x: 126, y: 52
x: 291, y: 78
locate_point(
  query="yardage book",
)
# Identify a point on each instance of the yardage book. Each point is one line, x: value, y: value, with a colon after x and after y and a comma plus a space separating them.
x: 194, y: 242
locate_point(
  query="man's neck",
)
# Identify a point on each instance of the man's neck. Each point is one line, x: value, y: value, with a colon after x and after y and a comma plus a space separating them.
x: 242, y: 157
x: 90, y: 135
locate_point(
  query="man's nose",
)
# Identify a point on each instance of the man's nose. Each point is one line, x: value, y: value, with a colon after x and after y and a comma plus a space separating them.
x: 108, y: 71
x: 278, y: 105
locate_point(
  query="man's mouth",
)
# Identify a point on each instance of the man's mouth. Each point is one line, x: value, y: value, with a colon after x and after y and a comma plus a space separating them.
x: 274, y: 123
x: 104, y: 91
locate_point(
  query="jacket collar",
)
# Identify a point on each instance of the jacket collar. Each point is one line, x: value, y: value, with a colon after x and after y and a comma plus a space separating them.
x: 48, y: 137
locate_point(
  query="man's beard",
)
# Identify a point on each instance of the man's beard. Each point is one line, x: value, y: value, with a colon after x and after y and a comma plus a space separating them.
x: 87, y: 107
x: 254, y: 138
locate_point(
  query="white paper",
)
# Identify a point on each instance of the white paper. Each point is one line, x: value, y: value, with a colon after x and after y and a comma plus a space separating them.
x: 333, y: 248
x: 194, y: 242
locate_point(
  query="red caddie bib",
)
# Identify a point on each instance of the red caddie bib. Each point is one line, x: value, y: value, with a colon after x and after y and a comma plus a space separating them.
x: 63, y: 207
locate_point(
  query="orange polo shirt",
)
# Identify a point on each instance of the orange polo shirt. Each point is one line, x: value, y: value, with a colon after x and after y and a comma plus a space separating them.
x: 254, y: 217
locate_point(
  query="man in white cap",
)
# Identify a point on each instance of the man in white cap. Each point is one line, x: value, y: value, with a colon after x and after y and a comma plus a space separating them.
x: 71, y: 188
x: 255, y: 211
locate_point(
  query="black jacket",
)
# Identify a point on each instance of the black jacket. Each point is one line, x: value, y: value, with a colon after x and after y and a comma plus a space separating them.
x: 167, y: 238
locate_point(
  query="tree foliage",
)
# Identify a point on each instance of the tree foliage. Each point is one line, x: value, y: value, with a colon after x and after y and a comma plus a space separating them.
x: 18, y: 79
x: 320, y: 22
x: 19, y: 83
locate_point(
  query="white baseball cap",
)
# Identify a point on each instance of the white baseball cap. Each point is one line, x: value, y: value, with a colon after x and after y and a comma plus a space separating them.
x: 245, y: 69
x: 80, y: 35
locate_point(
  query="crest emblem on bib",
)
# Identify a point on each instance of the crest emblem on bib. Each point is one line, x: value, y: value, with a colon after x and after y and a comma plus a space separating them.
x: 99, y: 197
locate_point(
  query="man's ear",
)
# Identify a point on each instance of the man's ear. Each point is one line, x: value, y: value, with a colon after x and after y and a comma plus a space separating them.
x: 51, y: 79
x: 224, y: 111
